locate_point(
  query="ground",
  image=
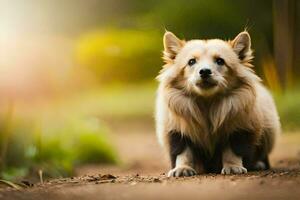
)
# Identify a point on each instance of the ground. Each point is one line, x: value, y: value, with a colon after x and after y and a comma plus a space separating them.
x: 141, y: 174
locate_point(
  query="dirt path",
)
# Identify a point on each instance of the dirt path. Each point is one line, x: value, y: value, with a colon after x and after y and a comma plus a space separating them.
x: 140, y: 176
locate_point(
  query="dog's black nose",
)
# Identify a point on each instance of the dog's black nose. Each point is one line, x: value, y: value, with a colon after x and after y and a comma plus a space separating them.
x: 205, y: 73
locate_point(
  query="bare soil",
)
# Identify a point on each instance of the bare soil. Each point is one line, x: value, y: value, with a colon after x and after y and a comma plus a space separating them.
x: 141, y: 175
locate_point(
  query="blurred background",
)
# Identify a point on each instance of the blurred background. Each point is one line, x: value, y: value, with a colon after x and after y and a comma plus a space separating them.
x: 77, y: 77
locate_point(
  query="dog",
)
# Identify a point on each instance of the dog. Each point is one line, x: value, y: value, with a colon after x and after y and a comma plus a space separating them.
x: 213, y: 115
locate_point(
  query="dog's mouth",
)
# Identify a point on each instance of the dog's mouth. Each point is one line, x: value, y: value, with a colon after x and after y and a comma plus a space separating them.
x: 206, y: 83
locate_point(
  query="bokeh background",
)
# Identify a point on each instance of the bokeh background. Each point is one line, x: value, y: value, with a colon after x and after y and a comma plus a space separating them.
x: 77, y: 77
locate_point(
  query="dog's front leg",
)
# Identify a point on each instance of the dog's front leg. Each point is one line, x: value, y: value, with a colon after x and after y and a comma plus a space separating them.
x: 184, y: 164
x: 232, y: 163
x: 181, y: 154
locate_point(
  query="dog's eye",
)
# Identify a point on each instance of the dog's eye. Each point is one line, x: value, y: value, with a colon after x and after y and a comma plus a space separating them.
x: 220, y: 61
x: 192, y: 61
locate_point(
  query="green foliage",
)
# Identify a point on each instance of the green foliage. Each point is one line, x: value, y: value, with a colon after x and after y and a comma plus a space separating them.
x: 288, y: 106
x: 132, y: 52
x: 55, y: 147
x: 13, y: 172
x: 121, y: 55
x: 98, y: 152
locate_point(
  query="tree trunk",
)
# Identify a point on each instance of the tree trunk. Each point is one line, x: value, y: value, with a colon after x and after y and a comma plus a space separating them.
x: 284, y: 39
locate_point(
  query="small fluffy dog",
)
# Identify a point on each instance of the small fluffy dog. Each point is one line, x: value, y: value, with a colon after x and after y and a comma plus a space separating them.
x: 212, y: 112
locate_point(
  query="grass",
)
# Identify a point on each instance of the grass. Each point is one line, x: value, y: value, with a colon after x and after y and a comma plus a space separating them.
x: 54, y: 145
x: 288, y: 106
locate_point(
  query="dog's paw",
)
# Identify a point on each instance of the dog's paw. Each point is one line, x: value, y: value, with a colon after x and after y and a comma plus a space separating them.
x: 182, y: 171
x: 232, y: 169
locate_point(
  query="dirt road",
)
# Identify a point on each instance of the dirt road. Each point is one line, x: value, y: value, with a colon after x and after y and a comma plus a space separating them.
x: 141, y: 175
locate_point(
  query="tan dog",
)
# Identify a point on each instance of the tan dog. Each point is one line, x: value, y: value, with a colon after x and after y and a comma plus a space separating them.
x: 212, y: 112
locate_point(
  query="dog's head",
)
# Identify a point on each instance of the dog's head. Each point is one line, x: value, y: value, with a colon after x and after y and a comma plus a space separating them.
x: 206, y: 67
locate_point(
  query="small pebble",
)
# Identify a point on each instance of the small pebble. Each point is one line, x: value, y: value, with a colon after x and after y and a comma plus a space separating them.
x: 156, y: 180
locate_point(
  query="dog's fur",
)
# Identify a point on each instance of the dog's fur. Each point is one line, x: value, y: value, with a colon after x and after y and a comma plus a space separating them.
x: 227, y: 124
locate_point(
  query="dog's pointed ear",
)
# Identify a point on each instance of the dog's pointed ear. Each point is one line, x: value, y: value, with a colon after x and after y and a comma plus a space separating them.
x: 242, y: 46
x: 172, y: 46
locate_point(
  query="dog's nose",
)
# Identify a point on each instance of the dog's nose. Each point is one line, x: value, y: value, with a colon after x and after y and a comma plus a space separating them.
x: 205, y: 73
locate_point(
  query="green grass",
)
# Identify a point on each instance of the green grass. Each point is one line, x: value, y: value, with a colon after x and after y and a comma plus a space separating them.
x: 288, y: 106
x: 55, y: 146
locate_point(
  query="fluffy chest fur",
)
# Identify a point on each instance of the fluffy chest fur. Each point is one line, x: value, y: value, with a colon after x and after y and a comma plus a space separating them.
x: 206, y: 121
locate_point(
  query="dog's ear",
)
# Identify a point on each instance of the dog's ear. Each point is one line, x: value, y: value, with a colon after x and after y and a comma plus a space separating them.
x: 172, y: 46
x: 242, y: 46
